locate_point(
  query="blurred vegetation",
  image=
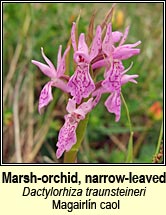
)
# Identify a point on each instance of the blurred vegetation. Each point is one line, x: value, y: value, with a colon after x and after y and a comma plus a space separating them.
x: 31, y: 138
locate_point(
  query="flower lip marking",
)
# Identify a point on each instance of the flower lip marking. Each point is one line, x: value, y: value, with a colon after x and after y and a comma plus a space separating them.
x: 81, y: 84
x: 67, y: 135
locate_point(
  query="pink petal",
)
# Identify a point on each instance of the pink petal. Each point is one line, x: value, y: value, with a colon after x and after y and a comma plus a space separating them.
x: 99, y: 91
x: 125, y: 53
x: 45, y: 96
x: 62, y: 64
x: 73, y: 36
x: 44, y: 68
x: 71, y: 139
x: 116, y: 35
x: 97, y: 98
x: 60, y: 151
x: 67, y: 135
x: 107, y: 42
x: 104, y: 62
x: 84, y: 108
x: 129, y: 46
x: 71, y: 106
x: 97, y: 94
x: 124, y: 36
x: 113, y: 104
x: 111, y: 85
x: 113, y: 76
x: 60, y: 84
x: 59, y: 56
x: 48, y: 61
x: 96, y: 44
x: 82, y: 46
x: 129, y: 78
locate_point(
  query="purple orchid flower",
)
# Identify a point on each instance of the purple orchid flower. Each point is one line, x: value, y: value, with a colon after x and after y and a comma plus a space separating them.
x: 112, y: 84
x: 81, y: 84
x: 55, y: 76
x: 67, y: 135
x: 115, y: 78
x: 114, y: 74
x: 113, y: 102
x: 111, y: 52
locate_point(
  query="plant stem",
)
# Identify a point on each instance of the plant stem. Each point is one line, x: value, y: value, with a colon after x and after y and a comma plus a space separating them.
x: 127, y: 112
x: 129, y: 158
x: 159, y: 139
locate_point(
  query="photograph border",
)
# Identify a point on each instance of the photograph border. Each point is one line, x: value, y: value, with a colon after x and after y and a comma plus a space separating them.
x: 83, y: 164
